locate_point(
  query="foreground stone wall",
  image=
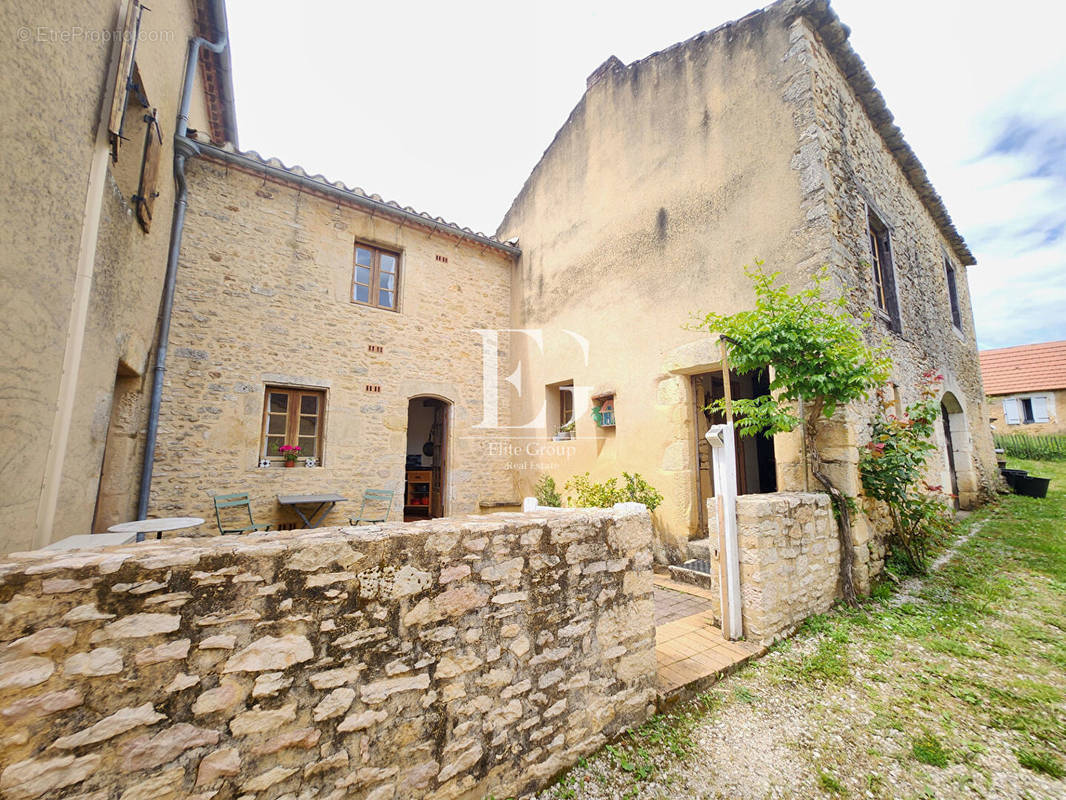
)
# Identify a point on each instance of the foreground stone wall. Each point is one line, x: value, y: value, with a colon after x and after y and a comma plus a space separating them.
x: 458, y: 657
x: 789, y: 560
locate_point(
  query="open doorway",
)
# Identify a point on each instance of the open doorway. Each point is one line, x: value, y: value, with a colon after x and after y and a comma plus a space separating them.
x: 427, y: 458
x: 756, y: 467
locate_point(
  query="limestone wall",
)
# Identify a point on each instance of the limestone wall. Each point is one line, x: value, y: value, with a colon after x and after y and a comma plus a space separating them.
x: 789, y: 560
x: 446, y: 658
x: 264, y: 299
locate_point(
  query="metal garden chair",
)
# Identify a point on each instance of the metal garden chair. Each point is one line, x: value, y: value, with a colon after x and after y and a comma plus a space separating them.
x: 240, y: 500
x: 374, y: 502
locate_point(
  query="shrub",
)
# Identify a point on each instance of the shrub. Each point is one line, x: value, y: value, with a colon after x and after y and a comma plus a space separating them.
x: 892, y: 465
x: 546, y: 493
x: 587, y: 494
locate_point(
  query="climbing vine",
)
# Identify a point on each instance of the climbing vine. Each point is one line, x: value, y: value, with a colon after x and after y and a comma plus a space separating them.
x: 820, y: 363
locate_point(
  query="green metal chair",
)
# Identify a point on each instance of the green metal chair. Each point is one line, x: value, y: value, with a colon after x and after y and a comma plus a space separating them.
x: 239, y: 500
x: 377, y: 500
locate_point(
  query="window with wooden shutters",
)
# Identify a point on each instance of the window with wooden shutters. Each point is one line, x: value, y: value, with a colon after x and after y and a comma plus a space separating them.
x: 376, y: 277
x: 146, y: 192
x: 293, y: 417
x: 1011, y: 412
x: 953, y: 293
x: 1040, y: 409
x: 124, y: 76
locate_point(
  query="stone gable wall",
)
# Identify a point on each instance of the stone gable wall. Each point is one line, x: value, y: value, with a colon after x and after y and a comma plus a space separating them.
x: 440, y: 659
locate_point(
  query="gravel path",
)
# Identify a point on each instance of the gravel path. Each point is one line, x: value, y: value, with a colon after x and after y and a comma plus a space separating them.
x: 932, y: 693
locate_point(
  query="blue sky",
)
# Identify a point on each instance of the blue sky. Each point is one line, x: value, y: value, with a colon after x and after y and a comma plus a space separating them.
x: 447, y: 107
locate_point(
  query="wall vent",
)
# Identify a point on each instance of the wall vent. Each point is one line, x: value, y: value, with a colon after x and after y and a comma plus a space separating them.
x: 373, y: 388
x: 375, y: 348
x: 442, y: 259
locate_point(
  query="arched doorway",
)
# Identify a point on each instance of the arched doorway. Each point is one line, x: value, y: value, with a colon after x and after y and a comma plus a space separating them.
x: 959, y: 477
x: 425, y: 483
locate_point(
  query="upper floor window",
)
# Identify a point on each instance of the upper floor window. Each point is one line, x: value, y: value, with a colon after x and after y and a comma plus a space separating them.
x: 953, y: 293
x: 293, y: 418
x: 884, y: 277
x: 376, y: 277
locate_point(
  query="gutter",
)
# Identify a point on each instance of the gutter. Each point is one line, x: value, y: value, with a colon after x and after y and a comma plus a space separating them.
x: 376, y: 207
x: 184, y: 149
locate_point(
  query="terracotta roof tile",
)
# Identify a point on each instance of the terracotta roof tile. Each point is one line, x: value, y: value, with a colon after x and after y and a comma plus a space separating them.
x: 1028, y: 368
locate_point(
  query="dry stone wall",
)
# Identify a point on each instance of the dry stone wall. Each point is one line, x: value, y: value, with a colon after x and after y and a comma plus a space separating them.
x: 457, y: 657
x: 789, y: 560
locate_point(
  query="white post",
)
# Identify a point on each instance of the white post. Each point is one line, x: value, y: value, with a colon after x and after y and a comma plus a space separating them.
x: 723, y: 447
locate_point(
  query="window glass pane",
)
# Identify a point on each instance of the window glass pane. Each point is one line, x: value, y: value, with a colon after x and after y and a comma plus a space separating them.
x: 388, y: 263
x: 308, y: 426
x: 279, y: 402
x: 307, y: 446
x: 385, y: 299
x: 362, y: 275
x: 388, y: 280
x: 361, y: 293
x: 309, y: 404
x: 363, y: 256
x: 276, y: 424
x: 273, y: 445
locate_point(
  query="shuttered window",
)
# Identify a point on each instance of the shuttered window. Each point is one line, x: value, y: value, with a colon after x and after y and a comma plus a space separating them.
x: 1039, y: 409
x: 124, y: 76
x: 147, y: 192
x: 1011, y: 411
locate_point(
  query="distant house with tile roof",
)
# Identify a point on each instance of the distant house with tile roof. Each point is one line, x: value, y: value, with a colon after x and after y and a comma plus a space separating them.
x: 1026, y: 387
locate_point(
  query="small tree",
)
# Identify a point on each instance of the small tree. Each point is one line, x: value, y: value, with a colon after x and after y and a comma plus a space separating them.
x: 820, y: 362
x: 892, y: 465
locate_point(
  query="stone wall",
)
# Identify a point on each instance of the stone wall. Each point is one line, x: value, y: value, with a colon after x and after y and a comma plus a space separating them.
x: 861, y: 171
x: 459, y: 657
x: 264, y: 299
x: 789, y: 560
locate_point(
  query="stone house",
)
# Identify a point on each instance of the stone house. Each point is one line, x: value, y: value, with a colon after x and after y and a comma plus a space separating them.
x: 459, y: 357
x: 764, y: 138
x: 294, y: 290
x: 89, y: 97
x: 1026, y: 388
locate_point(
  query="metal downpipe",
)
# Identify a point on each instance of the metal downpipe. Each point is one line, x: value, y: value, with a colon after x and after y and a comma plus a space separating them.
x: 184, y: 149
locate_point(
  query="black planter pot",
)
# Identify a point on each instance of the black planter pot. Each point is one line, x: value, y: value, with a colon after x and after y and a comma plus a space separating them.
x: 1011, y: 476
x: 1031, y: 486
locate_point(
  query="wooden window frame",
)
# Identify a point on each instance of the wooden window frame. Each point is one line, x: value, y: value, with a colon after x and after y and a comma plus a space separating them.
x: 374, y: 287
x: 883, y: 264
x: 292, y: 427
x: 951, y: 275
x: 566, y: 404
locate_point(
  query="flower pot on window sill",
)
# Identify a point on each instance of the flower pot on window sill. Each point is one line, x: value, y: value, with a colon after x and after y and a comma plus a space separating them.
x: 290, y: 463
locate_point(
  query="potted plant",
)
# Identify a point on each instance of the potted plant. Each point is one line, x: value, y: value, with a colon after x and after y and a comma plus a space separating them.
x: 565, y: 432
x: 290, y: 453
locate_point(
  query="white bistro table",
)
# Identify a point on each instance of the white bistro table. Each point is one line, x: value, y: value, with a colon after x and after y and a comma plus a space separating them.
x: 143, y: 526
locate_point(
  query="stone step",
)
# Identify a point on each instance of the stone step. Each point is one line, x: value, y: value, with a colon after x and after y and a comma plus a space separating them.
x: 692, y: 577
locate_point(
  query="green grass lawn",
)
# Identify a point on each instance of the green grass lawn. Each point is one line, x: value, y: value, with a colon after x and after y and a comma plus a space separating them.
x: 953, y: 686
